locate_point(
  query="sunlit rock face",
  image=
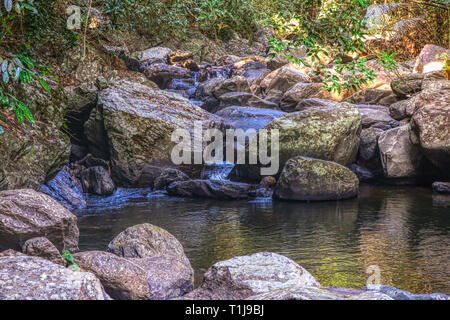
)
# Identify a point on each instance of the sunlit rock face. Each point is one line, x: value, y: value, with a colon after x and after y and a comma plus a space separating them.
x: 428, y: 60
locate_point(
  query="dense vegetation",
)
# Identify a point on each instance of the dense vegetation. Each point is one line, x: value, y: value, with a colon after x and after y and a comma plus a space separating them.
x: 326, y: 28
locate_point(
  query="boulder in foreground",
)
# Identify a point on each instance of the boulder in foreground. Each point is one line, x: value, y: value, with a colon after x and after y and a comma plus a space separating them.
x: 33, y: 278
x: 243, y: 277
x: 25, y: 214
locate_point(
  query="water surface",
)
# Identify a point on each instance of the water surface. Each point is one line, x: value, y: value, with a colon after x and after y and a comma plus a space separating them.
x: 395, y: 228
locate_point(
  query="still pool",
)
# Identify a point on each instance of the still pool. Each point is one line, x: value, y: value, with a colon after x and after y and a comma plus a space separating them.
x: 397, y: 229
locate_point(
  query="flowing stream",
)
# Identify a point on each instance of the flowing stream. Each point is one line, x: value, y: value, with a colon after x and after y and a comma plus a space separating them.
x: 395, y: 228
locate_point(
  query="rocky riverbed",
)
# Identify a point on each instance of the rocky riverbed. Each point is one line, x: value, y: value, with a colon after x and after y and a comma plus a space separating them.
x: 393, y: 131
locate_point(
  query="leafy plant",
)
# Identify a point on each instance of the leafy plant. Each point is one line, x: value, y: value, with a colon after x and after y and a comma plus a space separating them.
x: 70, y: 261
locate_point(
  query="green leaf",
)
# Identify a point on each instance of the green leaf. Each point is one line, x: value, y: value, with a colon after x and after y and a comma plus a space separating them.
x: 26, y: 60
x: 19, y: 115
x: 44, y: 84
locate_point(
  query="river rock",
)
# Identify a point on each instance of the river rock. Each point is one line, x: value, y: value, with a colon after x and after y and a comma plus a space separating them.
x: 153, y: 54
x: 66, y: 188
x: 247, y: 117
x: 138, y: 122
x: 397, y: 294
x: 235, y: 84
x: 399, y: 157
x: 328, y: 133
x: 42, y: 247
x: 25, y: 214
x: 244, y: 99
x: 306, y: 179
x: 314, y: 102
x: 96, y: 180
x: 376, y: 117
x: 302, y: 91
x: 403, y: 109
x: 146, y: 240
x: 33, y: 278
x: 427, y: 61
x: 430, y: 126
x: 162, y: 74
x: 151, y: 278
x: 441, y: 187
x: 169, y: 176
x: 372, y: 96
x: 314, y: 293
x: 243, y: 277
x: 284, y: 79
x: 211, y: 189
x: 362, y: 173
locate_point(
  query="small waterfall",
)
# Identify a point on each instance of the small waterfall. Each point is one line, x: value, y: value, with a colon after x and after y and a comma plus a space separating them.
x: 218, y: 172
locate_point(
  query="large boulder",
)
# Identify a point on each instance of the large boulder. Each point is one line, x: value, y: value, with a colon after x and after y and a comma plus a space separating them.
x: 146, y: 240
x: 25, y: 214
x: 163, y: 74
x: 134, y: 123
x: 42, y: 247
x: 214, y: 189
x: 399, y: 157
x: 430, y: 126
x: 243, y: 277
x: 427, y: 61
x: 301, y: 91
x: 284, y: 79
x: 151, y: 278
x: 33, y: 278
x: 376, y: 117
x: 326, y: 132
x: 306, y: 179
x: 373, y: 96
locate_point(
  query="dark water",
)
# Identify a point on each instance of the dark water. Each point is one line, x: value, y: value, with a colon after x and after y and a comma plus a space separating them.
x: 396, y: 228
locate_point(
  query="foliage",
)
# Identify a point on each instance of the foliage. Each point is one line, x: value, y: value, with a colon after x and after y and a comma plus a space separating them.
x: 70, y: 261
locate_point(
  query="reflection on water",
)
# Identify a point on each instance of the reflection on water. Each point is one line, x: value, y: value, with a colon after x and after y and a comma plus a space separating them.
x: 396, y: 228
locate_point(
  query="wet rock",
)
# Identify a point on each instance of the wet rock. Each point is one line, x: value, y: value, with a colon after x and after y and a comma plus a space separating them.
x: 146, y: 240
x: 163, y: 74
x: 96, y: 180
x: 25, y: 214
x: 306, y: 179
x: 243, y: 277
x: 427, y: 60
x: 151, y: 278
x: 138, y: 122
x: 441, y: 187
x: 397, y: 294
x: 376, y: 117
x: 372, y: 96
x: 362, y: 173
x: 429, y: 125
x: 211, y: 189
x: 169, y: 176
x: 313, y: 293
x: 248, y: 118
x: 244, y: 99
x: 148, y: 176
x: 33, y: 278
x: 42, y: 247
x: 399, y: 157
x: 66, y: 189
